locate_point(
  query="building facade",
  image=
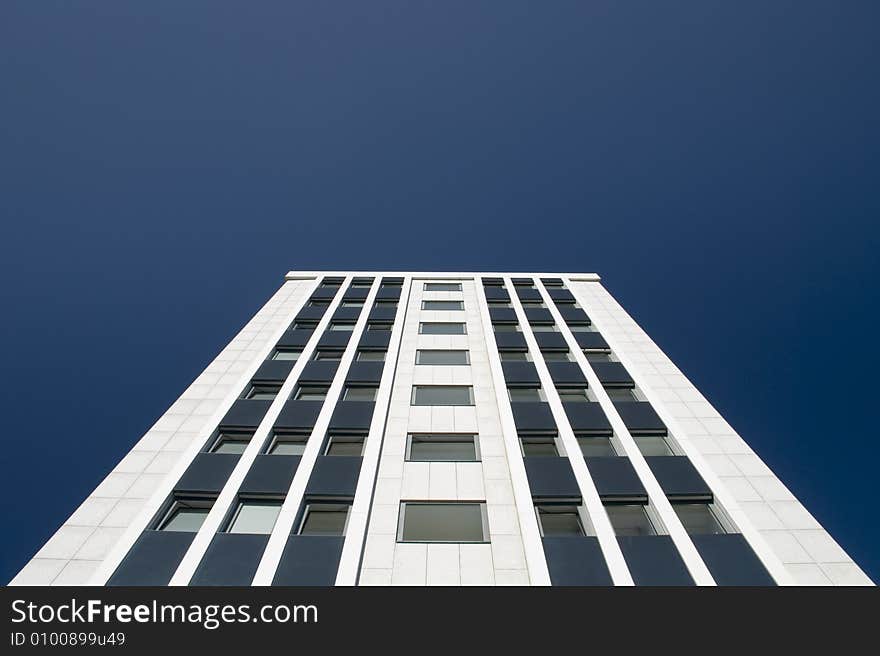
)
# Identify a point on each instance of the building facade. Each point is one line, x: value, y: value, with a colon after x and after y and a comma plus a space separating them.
x: 387, y: 428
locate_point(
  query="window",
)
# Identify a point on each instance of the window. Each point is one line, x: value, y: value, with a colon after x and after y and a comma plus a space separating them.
x: 439, y: 328
x: 596, y: 446
x: 324, y: 519
x: 290, y: 444
x: 523, y: 283
x: 344, y: 445
x: 500, y: 304
x: 544, y: 328
x: 360, y: 393
x: 305, y: 325
x: 332, y: 354
x: 442, y: 287
x: 526, y: 394
x: 630, y: 519
x: 515, y: 356
x: 443, y: 305
x: 185, y: 515
x: 254, y: 516
x: 371, y: 356
x: 311, y: 392
x: 581, y: 328
x: 574, y: 394
x: 263, y: 392
x: 441, y: 447
x: 556, y: 356
x: 319, y: 303
x: 594, y: 355
x: 286, y: 354
x: 442, y: 522
x: 352, y: 304
x: 621, y: 393
x: 339, y: 326
x: 532, y: 304
x: 385, y: 304
x: 361, y: 283
x: 442, y: 395
x: 234, y: 443
x: 698, y: 518
x: 558, y: 520
x: 652, y: 445
x: 538, y: 446
x: 506, y: 327
x: 441, y: 357
x: 380, y: 325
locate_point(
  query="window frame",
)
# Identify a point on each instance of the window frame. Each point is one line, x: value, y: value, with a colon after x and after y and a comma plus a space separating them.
x: 442, y: 437
x: 232, y: 436
x: 414, y: 394
x: 239, y: 505
x: 344, y: 438
x: 175, y: 504
x: 299, y: 388
x: 423, y: 324
x: 307, y: 510
x: 459, y: 305
x: 426, y: 286
x: 278, y: 350
x: 401, y: 521
x: 467, y: 358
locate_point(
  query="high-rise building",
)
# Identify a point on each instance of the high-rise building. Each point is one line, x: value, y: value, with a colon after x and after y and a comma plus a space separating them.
x: 381, y: 428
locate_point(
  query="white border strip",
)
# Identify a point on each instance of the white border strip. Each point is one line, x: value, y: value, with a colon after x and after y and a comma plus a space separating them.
x: 359, y: 517
x: 536, y: 561
x: 617, y: 567
x: 722, y: 497
x: 137, y: 526
x: 228, y: 495
x: 292, y: 502
x: 656, y: 497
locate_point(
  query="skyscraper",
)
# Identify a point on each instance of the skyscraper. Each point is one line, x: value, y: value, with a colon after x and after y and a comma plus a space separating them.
x: 382, y: 428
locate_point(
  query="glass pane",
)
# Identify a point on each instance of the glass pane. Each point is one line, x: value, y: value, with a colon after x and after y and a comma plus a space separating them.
x: 255, y: 517
x: 371, y: 356
x: 630, y: 520
x: 556, y: 356
x: 443, y: 305
x: 597, y: 356
x: 263, y: 392
x: 287, y: 355
x: 338, y: 447
x: 533, y: 447
x: 581, y: 328
x: 442, y: 357
x: 652, y: 445
x: 311, y: 393
x: 442, y: 395
x: 544, y: 328
x: 360, y: 394
x: 231, y: 446
x: 443, y: 522
x: 505, y: 327
x: 438, y: 328
x: 596, y: 446
x: 442, y: 449
x: 515, y: 356
x: 560, y: 520
x: 324, y: 520
x: 343, y: 327
x: 186, y: 520
x: 328, y: 355
x: 573, y: 395
x: 527, y: 394
x: 698, y: 518
x: 620, y: 394
x: 281, y: 448
x: 442, y: 286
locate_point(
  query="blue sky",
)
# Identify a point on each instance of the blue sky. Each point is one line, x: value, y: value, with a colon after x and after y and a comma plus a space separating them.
x: 163, y: 164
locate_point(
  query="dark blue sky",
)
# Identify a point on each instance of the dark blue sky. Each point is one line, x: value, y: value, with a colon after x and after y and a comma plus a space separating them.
x: 163, y: 164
